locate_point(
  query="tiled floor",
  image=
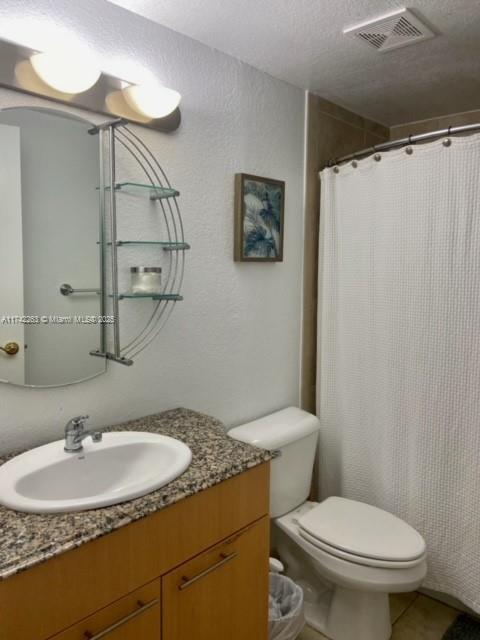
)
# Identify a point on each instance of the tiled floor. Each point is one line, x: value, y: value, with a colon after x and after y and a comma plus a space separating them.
x: 414, y: 617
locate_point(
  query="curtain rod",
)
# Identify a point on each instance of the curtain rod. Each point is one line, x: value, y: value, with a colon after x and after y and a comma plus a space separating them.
x: 401, y: 142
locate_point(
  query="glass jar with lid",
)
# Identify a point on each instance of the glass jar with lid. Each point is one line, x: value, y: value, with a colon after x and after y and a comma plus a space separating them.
x: 146, y: 280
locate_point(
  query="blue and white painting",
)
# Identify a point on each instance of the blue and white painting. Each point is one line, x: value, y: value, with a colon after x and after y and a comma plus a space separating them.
x: 262, y: 219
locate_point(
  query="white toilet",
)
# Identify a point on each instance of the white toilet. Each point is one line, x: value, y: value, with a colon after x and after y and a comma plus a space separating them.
x: 347, y: 555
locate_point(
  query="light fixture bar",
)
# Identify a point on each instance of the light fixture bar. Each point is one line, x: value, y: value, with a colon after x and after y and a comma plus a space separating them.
x: 17, y: 73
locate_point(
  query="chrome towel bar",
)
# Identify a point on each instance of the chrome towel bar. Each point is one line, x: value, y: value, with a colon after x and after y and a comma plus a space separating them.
x: 67, y: 290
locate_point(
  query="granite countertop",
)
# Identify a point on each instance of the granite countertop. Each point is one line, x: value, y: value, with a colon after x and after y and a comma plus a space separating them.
x: 27, y: 539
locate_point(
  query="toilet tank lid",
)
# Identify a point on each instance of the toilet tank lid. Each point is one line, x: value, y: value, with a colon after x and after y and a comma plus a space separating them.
x: 277, y: 429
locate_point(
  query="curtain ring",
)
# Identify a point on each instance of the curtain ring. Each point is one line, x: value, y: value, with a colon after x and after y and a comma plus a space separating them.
x: 377, y: 156
x: 354, y: 164
x: 446, y: 142
x: 409, y: 151
x: 336, y: 169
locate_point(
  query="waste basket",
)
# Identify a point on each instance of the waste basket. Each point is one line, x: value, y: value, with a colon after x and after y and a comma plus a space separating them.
x: 286, y: 617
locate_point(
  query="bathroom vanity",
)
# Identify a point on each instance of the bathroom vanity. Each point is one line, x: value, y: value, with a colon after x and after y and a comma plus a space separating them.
x: 188, y: 561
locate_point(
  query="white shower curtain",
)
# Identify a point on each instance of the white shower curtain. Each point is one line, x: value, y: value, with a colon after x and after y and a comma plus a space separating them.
x: 399, y: 347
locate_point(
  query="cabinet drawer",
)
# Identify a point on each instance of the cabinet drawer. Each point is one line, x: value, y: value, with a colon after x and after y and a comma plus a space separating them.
x: 221, y: 594
x: 133, y: 617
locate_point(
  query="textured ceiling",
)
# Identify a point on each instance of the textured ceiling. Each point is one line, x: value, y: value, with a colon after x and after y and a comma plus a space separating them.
x: 301, y: 41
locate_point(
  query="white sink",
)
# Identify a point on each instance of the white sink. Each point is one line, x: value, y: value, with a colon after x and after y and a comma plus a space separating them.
x: 125, y: 465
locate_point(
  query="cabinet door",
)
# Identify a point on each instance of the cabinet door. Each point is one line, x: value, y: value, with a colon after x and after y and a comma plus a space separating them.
x: 134, y: 617
x: 221, y: 594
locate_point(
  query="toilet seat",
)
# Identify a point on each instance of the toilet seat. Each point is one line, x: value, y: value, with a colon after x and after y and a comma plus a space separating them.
x: 361, y: 533
x: 350, y: 557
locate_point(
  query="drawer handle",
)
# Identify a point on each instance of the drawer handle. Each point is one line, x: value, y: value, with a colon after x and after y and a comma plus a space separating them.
x: 88, y: 635
x: 224, y: 559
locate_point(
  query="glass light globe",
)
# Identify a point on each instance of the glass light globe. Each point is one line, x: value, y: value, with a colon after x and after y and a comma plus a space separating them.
x: 66, y: 73
x: 152, y: 101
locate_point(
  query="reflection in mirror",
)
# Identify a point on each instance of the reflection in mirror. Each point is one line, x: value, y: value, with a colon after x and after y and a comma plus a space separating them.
x: 49, y: 212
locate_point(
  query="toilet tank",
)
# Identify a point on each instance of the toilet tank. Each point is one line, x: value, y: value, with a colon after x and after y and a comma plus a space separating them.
x: 294, y: 432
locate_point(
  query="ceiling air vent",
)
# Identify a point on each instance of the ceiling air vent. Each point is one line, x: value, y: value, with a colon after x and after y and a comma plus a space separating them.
x: 392, y: 31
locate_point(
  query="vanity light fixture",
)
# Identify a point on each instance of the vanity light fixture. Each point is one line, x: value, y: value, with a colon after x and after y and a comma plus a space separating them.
x: 152, y: 101
x: 66, y: 73
x: 69, y: 73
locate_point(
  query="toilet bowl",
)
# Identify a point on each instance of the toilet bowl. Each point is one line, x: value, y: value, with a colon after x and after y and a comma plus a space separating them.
x: 350, y: 591
x: 347, y: 555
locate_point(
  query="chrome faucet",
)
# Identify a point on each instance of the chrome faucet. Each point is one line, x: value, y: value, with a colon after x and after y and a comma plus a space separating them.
x: 75, y: 434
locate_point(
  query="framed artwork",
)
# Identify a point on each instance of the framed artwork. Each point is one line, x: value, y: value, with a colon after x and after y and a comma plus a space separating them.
x: 259, y: 219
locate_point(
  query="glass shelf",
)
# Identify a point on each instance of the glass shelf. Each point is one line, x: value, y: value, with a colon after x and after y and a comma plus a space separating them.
x: 152, y: 191
x: 168, y: 246
x: 153, y: 296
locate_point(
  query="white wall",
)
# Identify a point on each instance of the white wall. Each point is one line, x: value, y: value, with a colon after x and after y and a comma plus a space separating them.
x: 232, y: 347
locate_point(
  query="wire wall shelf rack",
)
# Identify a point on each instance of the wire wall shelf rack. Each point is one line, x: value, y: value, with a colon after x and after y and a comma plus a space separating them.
x: 113, y: 135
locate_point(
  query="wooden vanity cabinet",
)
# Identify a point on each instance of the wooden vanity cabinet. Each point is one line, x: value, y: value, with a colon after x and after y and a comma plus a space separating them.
x: 195, y: 570
x: 221, y: 594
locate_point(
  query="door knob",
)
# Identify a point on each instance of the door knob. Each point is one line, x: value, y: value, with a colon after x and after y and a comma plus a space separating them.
x: 11, y: 348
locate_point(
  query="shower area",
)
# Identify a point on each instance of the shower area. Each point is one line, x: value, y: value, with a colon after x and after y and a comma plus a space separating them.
x: 398, y: 341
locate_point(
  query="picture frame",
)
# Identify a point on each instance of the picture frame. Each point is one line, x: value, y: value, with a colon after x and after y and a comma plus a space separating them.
x: 259, y: 218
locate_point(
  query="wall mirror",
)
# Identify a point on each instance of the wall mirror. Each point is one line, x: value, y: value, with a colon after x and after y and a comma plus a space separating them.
x: 49, y: 169
x: 80, y: 205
